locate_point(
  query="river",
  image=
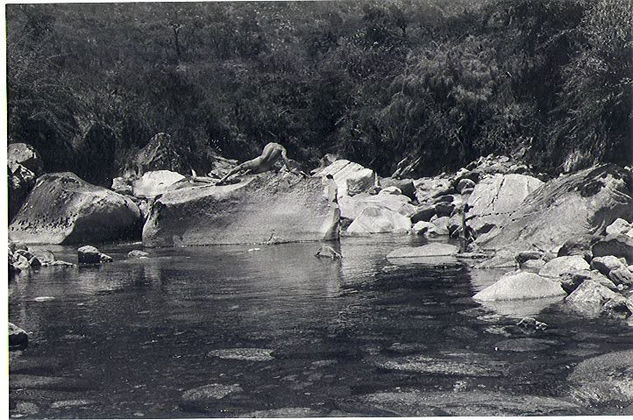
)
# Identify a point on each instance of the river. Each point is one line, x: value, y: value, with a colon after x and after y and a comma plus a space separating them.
x: 275, y: 331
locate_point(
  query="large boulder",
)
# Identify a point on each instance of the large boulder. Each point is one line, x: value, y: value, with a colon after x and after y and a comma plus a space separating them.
x: 154, y: 183
x: 557, y: 266
x: 352, y: 207
x: 607, y: 263
x: 64, y: 209
x: 620, y: 246
x: 496, y: 198
x: 88, y: 254
x: 426, y: 189
x: 521, y: 285
x: 564, y: 208
x: 404, y: 185
x: 620, y: 227
x: 379, y: 220
x: 265, y: 208
x: 351, y: 178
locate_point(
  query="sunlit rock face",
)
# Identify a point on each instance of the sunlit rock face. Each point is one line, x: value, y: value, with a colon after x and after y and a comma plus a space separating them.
x: 266, y: 208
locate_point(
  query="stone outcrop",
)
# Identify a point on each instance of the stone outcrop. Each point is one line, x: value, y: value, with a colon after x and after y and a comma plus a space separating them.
x: 265, y: 208
x: 496, y: 198
x: 379, y: 220
x: 162, y: 153
x: 564, y: 208
x: 350, y: 177
x: 64, y: 209
x: 561, y: 265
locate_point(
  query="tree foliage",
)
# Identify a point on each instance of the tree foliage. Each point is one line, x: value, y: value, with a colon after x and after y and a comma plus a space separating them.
x: 430, y: 80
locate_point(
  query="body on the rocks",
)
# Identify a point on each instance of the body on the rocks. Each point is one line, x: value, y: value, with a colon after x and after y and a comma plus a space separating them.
x: 270, y: 155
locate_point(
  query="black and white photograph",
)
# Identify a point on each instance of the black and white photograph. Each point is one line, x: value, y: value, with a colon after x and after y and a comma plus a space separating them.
x: 317, y: 209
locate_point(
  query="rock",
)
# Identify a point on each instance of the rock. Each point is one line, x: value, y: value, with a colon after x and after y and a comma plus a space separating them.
x: 327, y: 251
x: 589, y: 298
x: 206, y: 397
x: 565, y: 208
x: 65, y: 404
x: 63, y: 209
x: 21, y: 182
x: 520, y: 285
x: 162, y: 152
x: 423, y: 214
x: 137, y: 253
x: 526, y: 344
x: 45, y: 257
x: 21, y: 263
x: 607, y: 263
x: 621, y: 276
x: 444, y: 209
x: 417, y: 403
x: 560, y: 265
x: 616, y: 308
x: 420, y: 228
x: 571, y: 280
x: 292, y: 412
x: 442, y: 225
x: 496, y: 198
x: 604, y: 380
x: 25, y: 155
x: 428, y: 188
x: 524, y: 256
x: 352, y: 207
x: 350, y: 177
x: 379, y: 220
x: 265, y: 208
x: 429, y: 250
x: 464, y: 184
x: 531, y: 324
x: 154, y: 183
x: 406, y: 186
x: 88, y: 254
x: 619, y: 227
x: 533, y: 266
x: 244, y: 354
x: 122, y: 185
x: 18, y: 338
x: 391, y: 190
x: 616, y: 245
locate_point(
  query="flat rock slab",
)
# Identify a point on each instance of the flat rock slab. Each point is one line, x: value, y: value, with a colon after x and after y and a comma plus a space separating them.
x: 440, y: 366
x: 206, y: 397
x: 266, y: 208
x: 246, y: 354
x: 527, y: 344
x: 604, y: 379
x: 416, y: 403
x: 428, y: 250
x: 55, y: 383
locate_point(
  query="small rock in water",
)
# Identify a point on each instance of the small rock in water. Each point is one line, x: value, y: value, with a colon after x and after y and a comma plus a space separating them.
x: 44, y: 298
x: 524, y: 344
x: 530, y: 324
x: 90, y: 255
x: 18, y: 338
x: 247, y: 354
x: 254, y: 249
x: 72, y: 403
x: 205, y: 397
x: 137, y: 253
x: 328, y: 252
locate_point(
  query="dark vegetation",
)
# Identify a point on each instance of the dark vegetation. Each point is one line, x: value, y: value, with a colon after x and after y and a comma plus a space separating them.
x: 378, y: 82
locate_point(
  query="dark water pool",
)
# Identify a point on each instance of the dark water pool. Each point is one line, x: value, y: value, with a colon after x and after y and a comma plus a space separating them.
x: 275, y: 331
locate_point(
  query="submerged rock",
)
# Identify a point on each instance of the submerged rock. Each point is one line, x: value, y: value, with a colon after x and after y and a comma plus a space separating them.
x: 245, y: 354
x: 137, y: 253
x: 428, y: 250
x: 521, y: 285
x: 352, y: 207
x: 266, y: 208
x: 327, y: 251
x: 63, y: 209
x: 526, y: 344
x: 206, y: 398
x: 605, y: 379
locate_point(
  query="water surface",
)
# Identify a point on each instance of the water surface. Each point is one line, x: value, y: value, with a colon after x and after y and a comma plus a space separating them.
x: 274, y: 330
